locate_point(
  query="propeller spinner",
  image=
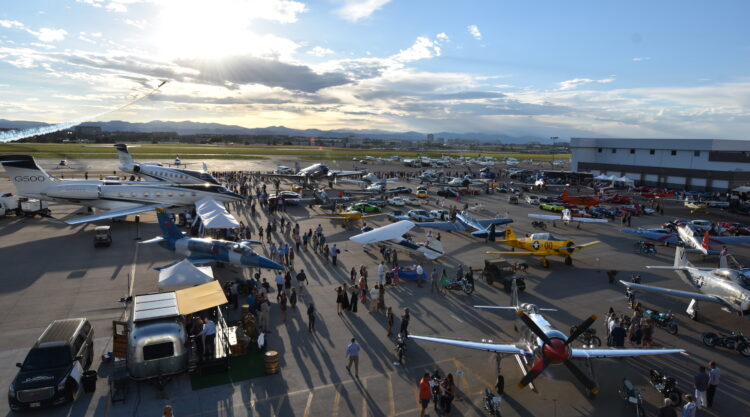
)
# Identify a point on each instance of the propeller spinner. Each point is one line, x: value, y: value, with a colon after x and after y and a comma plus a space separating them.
x: 556, y: 350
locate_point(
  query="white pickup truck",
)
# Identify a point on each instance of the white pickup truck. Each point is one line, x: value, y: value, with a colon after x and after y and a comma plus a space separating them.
x: 22, y: 206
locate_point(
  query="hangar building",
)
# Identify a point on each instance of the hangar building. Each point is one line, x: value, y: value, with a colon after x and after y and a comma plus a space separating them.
x: 693, y: 164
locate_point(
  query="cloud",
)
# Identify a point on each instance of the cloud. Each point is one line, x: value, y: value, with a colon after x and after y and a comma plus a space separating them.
x: 575, y: 82
x: 117, y: 7
x: 319, y: 51
x: 9, y: 24
x: 140, y: 24
x: 474, y: 32
x: 422, y: 48
x: 354, y: 10
x: 643, y: 58
x: 43, y: 34
x: 443, y: 37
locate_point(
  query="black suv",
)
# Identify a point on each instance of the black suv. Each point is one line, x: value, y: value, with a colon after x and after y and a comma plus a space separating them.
x: 52, y: 370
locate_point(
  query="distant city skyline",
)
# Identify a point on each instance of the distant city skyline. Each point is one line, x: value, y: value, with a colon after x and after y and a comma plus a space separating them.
x: 624, y: 69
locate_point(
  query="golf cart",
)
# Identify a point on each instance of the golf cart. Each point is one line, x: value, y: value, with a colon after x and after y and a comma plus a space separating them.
x: 500, y: 270
x: 102, y: 236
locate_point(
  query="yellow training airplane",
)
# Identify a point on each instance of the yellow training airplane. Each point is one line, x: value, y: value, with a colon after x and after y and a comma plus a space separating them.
x: 541, y: 244
x: 693, y: 206
x: 351, y: 216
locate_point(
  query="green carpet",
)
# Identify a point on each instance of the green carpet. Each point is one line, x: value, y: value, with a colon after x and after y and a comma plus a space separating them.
x: 241, y: 368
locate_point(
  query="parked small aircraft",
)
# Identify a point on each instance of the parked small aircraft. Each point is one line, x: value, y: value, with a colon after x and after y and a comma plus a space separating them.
x: 309, y: 176
x: 393, y: 235
x: 155, y: 170
x: 119, y: 198
x: 351, y: 216
x: 729, y: 287
x: 541, y: 345
x: 201, y: 251
x: 579, y: 200
x: 669, y: 237
x: 464, y: 221
x: 566, y: 217
x: 658, y: 194
x: 543, y: 245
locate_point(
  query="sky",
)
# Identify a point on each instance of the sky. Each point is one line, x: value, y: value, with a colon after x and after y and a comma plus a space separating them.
x: 645, y: 69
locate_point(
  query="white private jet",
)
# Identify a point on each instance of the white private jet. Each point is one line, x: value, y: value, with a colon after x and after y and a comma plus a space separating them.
x: 393, y: 235
x: 155, y: 170
x: 119, y: 198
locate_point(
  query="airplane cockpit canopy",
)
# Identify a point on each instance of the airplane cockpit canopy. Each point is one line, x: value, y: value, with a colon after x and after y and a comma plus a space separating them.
x: 243, y: 249
x: 743, y: 278
x: 544, y: 236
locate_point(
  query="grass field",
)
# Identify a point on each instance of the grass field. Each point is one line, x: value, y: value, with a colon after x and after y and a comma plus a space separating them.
x: 168, y: 151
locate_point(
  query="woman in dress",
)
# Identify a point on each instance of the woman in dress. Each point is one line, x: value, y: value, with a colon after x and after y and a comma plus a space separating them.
x: 339, y: 300
x: 353, y: 301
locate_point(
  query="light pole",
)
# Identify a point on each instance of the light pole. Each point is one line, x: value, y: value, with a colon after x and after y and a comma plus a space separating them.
x: 553, y: 138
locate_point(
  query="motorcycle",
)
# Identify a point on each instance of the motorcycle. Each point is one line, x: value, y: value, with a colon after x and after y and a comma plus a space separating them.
x: 461, y: 285
x: 539, y: 225
x: 632, y: 396
x: 663, y: 320
x: 401, y: 347
x: 733, y: 341
x: 435, y: 387
x: 491, y: 403
x: 644, y: 248
x: 666, y: 385
x: 588, y: 337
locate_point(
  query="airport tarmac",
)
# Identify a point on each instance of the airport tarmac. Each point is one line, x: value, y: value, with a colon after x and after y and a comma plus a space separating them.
x: 52, y: 271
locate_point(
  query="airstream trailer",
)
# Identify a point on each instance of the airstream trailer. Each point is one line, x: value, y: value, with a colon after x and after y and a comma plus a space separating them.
x: 157, y: 341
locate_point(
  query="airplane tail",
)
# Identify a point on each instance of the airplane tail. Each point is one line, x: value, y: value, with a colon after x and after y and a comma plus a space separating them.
x: 122, y: 152
x: 706, y: 241
x: 168, y: 228
x: 28, y: 177
x: 680, y: 258
x: 509, y: 234
x: 565, y: 193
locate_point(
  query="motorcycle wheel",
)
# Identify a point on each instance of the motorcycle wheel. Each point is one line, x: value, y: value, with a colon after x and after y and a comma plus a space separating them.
x: 710, y: 339
x: 595, y: 341
x: 468, y: 289
x: 671, y: 328
x: 676, y: 397
x: 744, y: 349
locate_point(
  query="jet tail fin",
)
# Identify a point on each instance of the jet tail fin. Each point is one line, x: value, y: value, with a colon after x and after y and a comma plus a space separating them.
x: 168, y: 228
x: 680, y: 258
x: 28, y: 177
x: 706, y: 241
x: 122, y: 152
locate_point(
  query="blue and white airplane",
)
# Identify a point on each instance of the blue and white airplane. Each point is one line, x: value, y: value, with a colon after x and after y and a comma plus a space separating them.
x: 201, y: 251
x: 464, y: 221
x: 393, y: 235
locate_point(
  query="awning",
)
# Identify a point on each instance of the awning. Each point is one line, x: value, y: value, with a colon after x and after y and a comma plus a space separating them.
x: 625, y: 180
x: 200, y: 297
x: 742, y: 189
x: 603, y: 177
x: 184, y: 274
x: 213, y: 215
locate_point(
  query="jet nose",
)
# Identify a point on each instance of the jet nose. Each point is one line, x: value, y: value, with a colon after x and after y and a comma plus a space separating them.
x: 268, y: 264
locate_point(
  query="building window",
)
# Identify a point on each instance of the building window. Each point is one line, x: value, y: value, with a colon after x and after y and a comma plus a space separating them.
x: 600, y: 150
x: 674, y: 153
x: 652, y: 151
x: 614, y: 150
x: 632, y: 151
x: 696, y: 153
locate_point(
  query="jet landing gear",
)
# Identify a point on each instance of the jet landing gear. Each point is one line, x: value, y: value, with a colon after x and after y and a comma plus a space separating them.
x: 568, y: 260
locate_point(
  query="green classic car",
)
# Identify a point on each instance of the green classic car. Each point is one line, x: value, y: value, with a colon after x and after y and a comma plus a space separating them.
x: 365, y: 208
x: 551, y: 207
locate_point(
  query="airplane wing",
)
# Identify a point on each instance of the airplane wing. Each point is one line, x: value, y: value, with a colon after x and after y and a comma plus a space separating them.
x: 577, y: 353
x: 572, y: 219
x: 374, y: 215
x: 449, y: 226
x: 391, y: 231
x: 333, y: 217
x: 200, y: 261
x: 491, y: 252
x: 497, y: 221
x: 583, y: 246
x: 152, y: 240
x: 340, y: 174
x: 491, y: 347
x: 116, y: 213
x: 676, y: 293
x: 729, y: 240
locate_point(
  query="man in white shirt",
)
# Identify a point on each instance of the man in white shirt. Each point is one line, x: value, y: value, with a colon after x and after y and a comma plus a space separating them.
x: 352, y: 352
x: 420, y: 275
x: 209, y: 334
x: 279, y: 285
x: 713, y: 381
x: 381, y: 273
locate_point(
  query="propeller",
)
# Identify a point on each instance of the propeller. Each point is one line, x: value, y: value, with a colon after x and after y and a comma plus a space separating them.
x: 556, y: 350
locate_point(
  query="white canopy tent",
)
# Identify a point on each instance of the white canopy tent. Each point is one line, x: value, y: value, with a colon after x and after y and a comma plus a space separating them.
x: 603, y: 177
x: 214, y: 215
x: 624, y: 179
x: 742, y: 189
x: 184, y: 274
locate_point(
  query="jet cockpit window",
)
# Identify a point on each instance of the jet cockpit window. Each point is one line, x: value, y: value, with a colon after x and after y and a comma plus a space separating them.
x: 723, y: 274
x: 743, y: 278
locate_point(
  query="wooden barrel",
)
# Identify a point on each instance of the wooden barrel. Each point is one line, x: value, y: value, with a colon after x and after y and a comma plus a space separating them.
x: 271, y: 360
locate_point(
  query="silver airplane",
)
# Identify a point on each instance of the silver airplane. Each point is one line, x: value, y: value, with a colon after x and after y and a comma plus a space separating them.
x: 541, y: 345
x: 155, y: 170
x: 725, y: 286
x: 119, y: 198
x: 309, y: 176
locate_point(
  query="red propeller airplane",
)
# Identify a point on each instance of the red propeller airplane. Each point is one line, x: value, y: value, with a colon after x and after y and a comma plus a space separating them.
x: 658, y: 194
x: 541, y: 345
x: 579, y: 200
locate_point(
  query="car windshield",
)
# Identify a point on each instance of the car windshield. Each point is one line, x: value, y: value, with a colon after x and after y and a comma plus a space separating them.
x: 47, y: 358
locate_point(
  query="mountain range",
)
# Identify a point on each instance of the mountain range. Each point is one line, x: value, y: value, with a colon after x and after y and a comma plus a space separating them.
x: 199, y: 128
